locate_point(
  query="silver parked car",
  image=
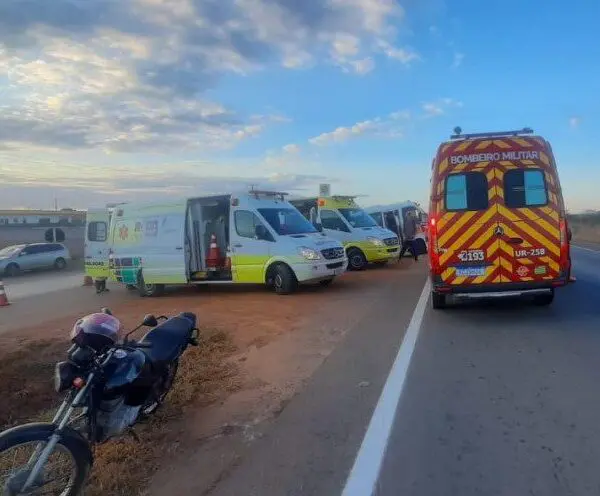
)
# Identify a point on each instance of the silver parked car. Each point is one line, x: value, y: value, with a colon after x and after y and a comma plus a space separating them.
x: 17, y: 258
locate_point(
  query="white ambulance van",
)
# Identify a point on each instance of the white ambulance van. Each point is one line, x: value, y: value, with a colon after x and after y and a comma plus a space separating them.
x: 256, y: 238
x: 394, y: 217
x: 343, y: 219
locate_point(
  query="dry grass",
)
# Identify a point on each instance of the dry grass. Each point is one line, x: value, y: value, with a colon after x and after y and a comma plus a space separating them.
x: 122, y: 466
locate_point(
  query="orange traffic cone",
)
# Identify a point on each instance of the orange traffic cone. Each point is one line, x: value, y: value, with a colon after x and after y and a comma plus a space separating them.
x: 213, y: 260
x: 3, y: 298
x: 88, y: 281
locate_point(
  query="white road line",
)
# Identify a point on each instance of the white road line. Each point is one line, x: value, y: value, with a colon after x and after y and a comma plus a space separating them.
x: 586, y: 249
x: 365, y: 472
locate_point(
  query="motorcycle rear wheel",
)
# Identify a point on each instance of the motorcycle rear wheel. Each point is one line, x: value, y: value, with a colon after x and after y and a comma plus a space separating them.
x: 71, y: 443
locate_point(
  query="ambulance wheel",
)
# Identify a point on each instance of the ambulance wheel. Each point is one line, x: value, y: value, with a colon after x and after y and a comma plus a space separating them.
x: 438, y: 300
x: 356, y: 259
x: 284, y: 280
x: 150, y: 290
x: 544, y: 299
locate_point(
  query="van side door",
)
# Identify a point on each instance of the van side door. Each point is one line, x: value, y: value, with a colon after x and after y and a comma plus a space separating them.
x: 467, y: 238
x: 251, y: 243
x: 529, y: 219
x: 96, y: 246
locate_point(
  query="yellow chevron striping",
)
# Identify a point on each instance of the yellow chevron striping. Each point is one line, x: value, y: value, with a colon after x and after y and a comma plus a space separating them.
x: 522, y: 142
x: 447, y: 217
x: 505, y: 264
x: 463, y: 146
x: 539, y: 237
x: 466, y: 217
x: 493, y: 248
x: 459, y: 280
x: 445, y: 147
x: 443, y: 166
x: 528, y: 162
x: 501, y: 144
x: 544, y: 158
x: 488, y: 272
x: 482, y: 145
x: 497, y: 279
x: 459, y: 243
x: 549, y: 228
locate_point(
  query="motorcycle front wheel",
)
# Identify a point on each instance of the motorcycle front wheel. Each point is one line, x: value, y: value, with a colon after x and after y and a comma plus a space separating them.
x: 64, y: 473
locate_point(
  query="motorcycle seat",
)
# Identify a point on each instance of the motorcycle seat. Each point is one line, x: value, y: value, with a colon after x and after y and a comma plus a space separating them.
x: 167, y: 339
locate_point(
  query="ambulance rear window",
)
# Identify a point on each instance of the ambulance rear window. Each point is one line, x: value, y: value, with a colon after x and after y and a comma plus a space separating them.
x: 468, y: 191
x: 525, y: 188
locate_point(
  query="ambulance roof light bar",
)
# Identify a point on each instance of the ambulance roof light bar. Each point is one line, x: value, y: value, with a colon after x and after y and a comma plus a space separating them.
x: 257, y: 193
x: 459, y: 136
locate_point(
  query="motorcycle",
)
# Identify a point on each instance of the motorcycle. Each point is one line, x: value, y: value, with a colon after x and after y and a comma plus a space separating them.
x: 110, y: 385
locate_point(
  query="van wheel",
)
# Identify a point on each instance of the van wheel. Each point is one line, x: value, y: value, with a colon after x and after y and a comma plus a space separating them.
x: 60, y: 263
x: 544, y: 299
x: 284, y: 280
x: 438, y: 300
x: 151, y: 290
x: 12, y: 270
x: 356, y: 259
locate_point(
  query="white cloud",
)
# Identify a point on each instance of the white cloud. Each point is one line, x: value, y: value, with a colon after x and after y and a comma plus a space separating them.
x: 84, y: 184
x: 574, y: 122
x: 291, y: 148
x: 439, y: 107
x: 458, y: 59
x: 342, y: 134
x: 90, y: 62
x: 403, y: 55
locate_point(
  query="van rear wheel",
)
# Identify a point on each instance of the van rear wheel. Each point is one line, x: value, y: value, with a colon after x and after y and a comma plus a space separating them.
x: 438, y: 300
x: 544, y: 299
x: 150, y: 290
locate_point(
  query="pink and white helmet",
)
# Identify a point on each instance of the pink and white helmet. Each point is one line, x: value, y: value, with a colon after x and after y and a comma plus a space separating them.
x: 96, y: 330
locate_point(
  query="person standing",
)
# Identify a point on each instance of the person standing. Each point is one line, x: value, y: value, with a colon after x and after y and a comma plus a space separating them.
x: 410, y: 231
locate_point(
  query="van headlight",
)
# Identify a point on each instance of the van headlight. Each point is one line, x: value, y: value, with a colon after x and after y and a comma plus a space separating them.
x: 309, y: 253
x: 376, y: 241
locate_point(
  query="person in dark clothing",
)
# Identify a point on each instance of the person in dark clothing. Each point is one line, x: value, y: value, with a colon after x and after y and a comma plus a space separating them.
x: 410, y: 231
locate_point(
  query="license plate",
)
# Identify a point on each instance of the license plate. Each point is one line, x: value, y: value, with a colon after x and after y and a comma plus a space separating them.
x: 470, y: 271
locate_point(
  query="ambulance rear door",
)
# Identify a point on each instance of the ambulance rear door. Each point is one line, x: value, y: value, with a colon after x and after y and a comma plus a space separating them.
x: 96, y: 246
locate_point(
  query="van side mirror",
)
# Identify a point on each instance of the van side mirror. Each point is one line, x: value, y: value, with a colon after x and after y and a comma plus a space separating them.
x: 261, y: 232
x: 149, y: 320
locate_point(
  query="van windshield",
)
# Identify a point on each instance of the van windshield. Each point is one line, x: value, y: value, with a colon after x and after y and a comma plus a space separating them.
x: 287, y: 221
x: 357, y: 217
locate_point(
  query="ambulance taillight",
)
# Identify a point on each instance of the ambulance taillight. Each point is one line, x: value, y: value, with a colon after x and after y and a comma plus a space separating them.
x: 434, y: 257
x: 564, y: 246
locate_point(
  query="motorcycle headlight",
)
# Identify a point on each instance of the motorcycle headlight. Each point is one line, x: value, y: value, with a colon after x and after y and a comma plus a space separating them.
x: 309, y: 253
x: 64, y: 375
x: 375, y: 241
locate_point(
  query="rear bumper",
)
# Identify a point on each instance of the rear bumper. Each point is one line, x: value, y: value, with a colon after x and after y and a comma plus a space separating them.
x: 498, y: 290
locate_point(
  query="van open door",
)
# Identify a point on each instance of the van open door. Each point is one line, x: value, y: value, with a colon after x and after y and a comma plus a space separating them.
x: 96, y: 246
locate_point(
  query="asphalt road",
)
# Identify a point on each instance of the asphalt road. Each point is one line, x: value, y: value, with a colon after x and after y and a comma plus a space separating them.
x: 500, y: 398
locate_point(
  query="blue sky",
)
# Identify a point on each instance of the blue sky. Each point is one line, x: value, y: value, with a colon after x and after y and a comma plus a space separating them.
x: 110, y: 101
